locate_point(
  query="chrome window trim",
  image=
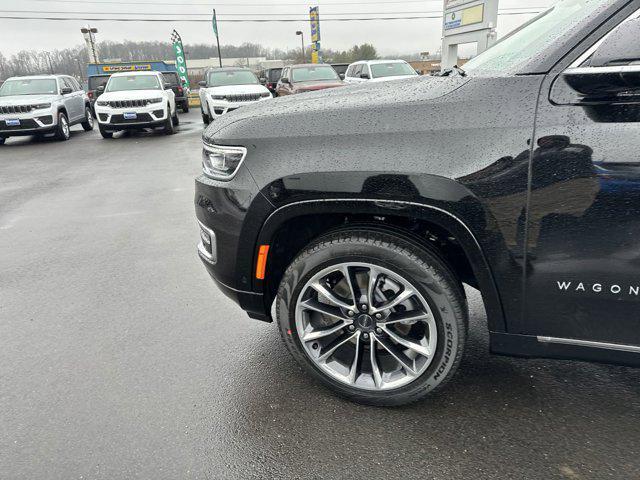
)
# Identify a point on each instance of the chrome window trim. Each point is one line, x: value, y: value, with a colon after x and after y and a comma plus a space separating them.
x: 603, y: 70
x: 590, y: 344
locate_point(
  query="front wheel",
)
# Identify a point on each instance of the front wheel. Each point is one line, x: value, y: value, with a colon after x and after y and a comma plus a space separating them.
x: 2, y: 140
x: 375, y: 318
x: 63, y: 131
x: 87, y: 125
x: 105, y: 133
x: 169, y: 128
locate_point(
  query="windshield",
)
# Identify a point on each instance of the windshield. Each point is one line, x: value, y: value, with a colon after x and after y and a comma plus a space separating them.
x: 313, y: 74
x: 231, y: 77
x: 33, y: 86
x: 133, y: 82
x: 171, y: 77
x: 533, y: 37
x: 396, y: 69
x: 95, y: 82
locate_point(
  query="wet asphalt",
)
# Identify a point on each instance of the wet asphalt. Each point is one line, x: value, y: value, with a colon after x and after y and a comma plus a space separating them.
x: 119, y: 359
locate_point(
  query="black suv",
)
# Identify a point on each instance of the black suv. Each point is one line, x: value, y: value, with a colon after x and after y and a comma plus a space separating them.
x: 179, y: 90
x: 361, y: 212
x: 269, y: 77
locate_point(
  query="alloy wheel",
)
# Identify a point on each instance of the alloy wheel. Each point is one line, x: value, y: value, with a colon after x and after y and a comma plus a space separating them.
x: 366, y: 326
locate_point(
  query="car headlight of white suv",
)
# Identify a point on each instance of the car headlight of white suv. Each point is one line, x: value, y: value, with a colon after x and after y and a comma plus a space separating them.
x: 221, y: 162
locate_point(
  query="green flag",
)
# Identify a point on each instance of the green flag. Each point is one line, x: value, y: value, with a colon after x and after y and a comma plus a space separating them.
x: 215, y: 23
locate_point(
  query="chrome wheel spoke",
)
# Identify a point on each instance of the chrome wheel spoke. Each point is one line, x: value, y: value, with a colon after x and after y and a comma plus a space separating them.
x: 404, y: 295
x: 353, y: 287
x: 323, y: 308
x: 354, y: 370
x: 330, y: 349
x: 374, y: 276
x: 406, y: 317
x: 375, y: 369
x: 329, y: 295
x: 316, y: 333
x: 425, y: 351
x: 396, y: 353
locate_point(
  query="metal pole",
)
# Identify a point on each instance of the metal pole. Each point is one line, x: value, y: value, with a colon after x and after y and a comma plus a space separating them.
x: 303, y: 53
x: 215, y: 19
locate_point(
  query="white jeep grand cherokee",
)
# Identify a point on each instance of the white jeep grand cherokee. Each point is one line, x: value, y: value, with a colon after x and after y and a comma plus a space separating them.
x: 136, y: 100
x: 225, y: 89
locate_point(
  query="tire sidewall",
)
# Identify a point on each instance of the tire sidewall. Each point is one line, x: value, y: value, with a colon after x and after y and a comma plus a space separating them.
x: 60, y: 134
x: 427, y: 276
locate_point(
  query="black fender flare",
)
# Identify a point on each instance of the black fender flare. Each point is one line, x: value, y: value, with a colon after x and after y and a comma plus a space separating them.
x: 431, y: 213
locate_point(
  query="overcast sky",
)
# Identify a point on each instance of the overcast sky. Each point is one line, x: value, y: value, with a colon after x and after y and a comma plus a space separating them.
x: 389, y: 37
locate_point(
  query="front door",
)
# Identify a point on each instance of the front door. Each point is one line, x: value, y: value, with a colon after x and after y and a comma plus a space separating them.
x: 582, y: 278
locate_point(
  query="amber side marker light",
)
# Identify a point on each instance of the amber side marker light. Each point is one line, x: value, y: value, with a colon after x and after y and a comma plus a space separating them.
x: 261, y: 265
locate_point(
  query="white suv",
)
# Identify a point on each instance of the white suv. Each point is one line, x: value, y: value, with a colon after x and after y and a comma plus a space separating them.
x: 136, y: 100
x: 225, y: 89
x: 42, y: 105
x: 378, y: 71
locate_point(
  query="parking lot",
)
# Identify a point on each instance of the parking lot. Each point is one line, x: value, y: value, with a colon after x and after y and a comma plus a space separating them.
x: 119, y: 358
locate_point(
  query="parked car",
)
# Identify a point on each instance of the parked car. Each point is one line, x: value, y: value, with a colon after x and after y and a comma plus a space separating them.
x: 93, y: 88
x: 180, y: 91
x: 378, y: 71
x: 307, y: 78
x: 269, y: 78
x: 42, y: 105
x: 362, y: 213
x: 341, y: 69
x: 134, y: 101
x: 226, y: 89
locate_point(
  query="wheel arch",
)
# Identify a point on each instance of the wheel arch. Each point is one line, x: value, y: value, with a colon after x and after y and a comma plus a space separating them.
x: 424, y: 225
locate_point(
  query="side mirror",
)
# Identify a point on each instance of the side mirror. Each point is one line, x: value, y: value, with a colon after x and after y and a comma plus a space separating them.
x: 614, y: 67
x: 66, y: 90
x: 100, y: 89
x: 285, y: 80
x: 365, y: 76
x: 341, y: 75
x: 202, y: 83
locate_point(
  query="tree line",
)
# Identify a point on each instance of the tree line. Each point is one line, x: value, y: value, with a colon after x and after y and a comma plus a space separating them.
x: 73, y: 61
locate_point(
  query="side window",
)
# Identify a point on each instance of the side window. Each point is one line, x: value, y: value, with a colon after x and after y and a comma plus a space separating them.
x: 357, y: 70
x: 66, y: 82
x: 365, y: 69
x: 285, y: 73
x: 349, y: 70
x: 76, y: 85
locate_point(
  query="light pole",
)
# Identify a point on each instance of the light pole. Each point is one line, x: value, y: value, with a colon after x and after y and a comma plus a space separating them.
x: 302, y: 36
x: 91, y: 42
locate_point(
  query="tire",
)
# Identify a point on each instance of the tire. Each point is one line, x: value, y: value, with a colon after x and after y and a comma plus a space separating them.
x: 87, y: 125
x: 2, y: 140
x: 205, y: 118
x: 62, y: 131
x: 434, y: 295
x: 176, y: 119
x: 185, y: 106
x: 168, y: 125
x: 105, y: 133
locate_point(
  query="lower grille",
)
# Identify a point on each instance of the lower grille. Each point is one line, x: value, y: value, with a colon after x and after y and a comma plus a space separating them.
x: 141, y: 118
x: 47, y: 120
x: 27, y: 124
x: 103, y: 117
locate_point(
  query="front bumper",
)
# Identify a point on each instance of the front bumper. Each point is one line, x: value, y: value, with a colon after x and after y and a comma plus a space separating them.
x: 218, y: 108
x: 228, y: 235
x: 39, y: 122
x: 151, y: 116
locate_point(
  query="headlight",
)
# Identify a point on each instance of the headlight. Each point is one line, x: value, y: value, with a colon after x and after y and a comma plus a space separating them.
x: 154, y: 100
x: 41, y: 106
x: 102, y: 103
x: 222, y: 163
x: 218, y: 97
x: 265, y: 94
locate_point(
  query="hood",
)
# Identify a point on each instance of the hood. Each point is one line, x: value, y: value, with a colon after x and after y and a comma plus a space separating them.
x: 317, y: 85
x: 236, y: 89
x: 353, y: 109
x: 131, y: 95
x: 16, y: 100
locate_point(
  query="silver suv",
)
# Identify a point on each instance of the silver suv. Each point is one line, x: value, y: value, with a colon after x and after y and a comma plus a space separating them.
x: 43, y: 105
